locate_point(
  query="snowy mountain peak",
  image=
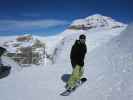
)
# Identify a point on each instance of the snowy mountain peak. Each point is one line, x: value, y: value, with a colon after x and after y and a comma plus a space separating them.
x: 96, y: 21
x: 95, y: 16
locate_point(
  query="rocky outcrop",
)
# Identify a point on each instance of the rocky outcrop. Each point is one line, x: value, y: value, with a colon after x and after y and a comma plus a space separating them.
x: 26, y: 50
x: 24, y: 38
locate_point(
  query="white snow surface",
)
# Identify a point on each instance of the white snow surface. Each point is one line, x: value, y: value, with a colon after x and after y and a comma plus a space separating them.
x: 108, y: 68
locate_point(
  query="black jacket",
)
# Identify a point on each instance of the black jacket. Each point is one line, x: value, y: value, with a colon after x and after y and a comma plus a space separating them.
x: 78, y: 52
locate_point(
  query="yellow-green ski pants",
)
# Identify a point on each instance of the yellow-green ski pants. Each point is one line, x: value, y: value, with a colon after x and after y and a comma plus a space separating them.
x: 76, y: 75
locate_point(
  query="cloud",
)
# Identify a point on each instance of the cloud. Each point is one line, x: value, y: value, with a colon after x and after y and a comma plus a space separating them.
x: 29, y: 25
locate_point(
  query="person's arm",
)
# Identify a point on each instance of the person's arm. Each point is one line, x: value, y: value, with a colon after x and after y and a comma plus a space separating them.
x: 81, y: 60
x: 73, y: 50
x: 85, y: 49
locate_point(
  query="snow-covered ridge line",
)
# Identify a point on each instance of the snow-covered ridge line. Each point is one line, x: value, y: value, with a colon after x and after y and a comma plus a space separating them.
x: 96, y: 21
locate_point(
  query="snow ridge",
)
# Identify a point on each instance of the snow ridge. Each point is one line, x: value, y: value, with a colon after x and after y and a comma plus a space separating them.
x: 96, y: 21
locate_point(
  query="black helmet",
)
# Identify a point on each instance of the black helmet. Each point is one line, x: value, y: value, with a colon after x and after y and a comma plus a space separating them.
x: 82, y: 36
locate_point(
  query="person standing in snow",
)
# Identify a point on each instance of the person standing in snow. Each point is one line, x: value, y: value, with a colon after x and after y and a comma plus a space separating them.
x: 2, y: 51
x: 77, y: 56
x: 3, y: 68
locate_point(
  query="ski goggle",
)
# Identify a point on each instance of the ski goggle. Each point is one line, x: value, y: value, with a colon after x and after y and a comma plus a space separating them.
x: 82, y: 40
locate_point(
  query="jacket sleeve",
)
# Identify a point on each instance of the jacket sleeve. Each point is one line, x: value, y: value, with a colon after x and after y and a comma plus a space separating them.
x: 81, y: 62
x: 73, y: 50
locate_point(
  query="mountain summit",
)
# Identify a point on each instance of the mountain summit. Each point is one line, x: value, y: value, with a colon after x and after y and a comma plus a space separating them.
x: 95, y: 21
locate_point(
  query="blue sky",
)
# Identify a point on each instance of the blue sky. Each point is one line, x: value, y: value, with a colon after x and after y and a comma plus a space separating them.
x: 49, y: 17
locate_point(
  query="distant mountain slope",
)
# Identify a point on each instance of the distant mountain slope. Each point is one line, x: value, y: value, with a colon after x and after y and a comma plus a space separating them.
x: 96, y: 21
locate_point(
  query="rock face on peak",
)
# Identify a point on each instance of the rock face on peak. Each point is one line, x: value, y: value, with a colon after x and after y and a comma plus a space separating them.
x: 27, y: 37
x: 95, y: 21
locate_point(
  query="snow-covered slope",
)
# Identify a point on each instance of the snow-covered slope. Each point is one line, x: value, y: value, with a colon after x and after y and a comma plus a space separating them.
x: 99, y: 29
x: 108, y: 67
x: 95, y: 38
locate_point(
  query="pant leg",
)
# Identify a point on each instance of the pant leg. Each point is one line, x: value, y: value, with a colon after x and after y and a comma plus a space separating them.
x: 81, y: 72
x: 76, y: 75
